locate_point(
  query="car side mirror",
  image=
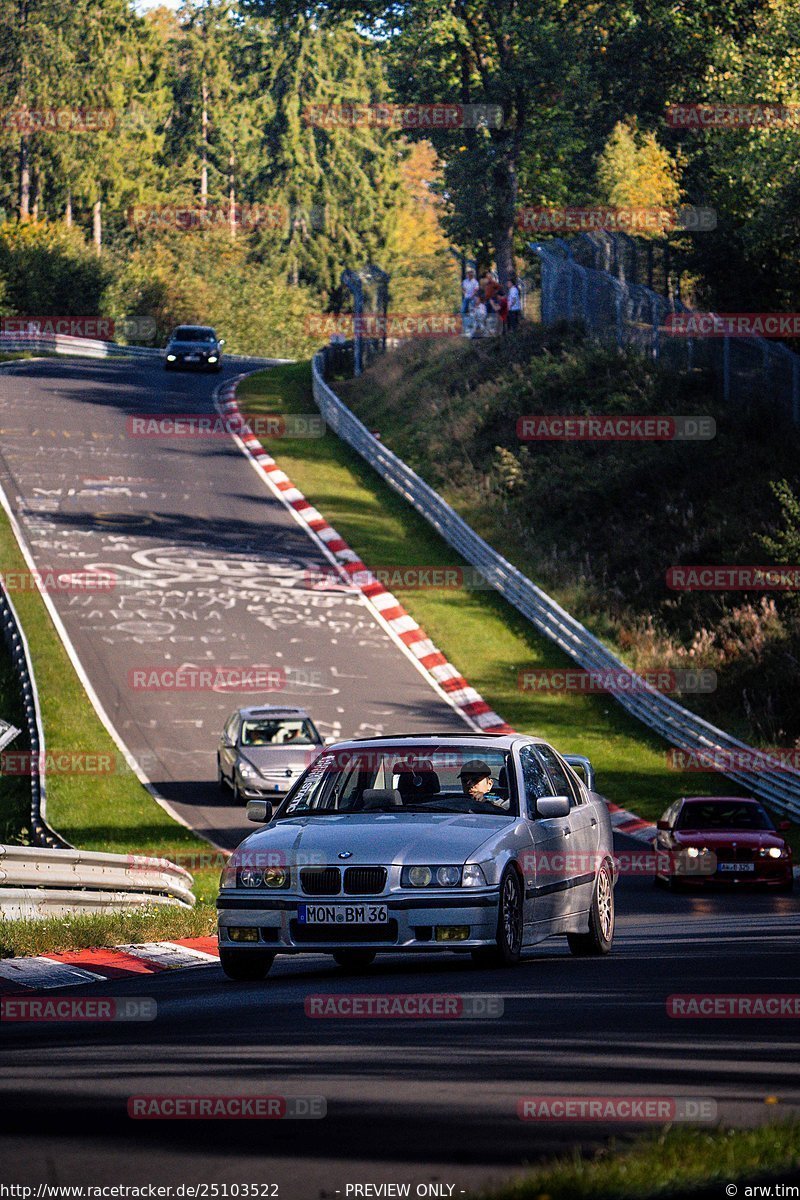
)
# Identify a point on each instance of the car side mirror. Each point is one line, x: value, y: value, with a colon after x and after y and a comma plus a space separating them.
x: 784, y: 826
x: 259, y: 811
x: 552, y: 806
x: 329, y: 741
x: 662, y: 824
x: 228, y: 743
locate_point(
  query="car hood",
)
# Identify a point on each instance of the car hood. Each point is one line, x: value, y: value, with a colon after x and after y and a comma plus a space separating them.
x: 375, y: 839
x: 277, y: 758
x: 758, y: 839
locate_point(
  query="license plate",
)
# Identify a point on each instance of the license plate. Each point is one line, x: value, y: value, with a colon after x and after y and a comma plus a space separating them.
x: 192, y: 357
x: 342, y: 914
x: 736, y: 866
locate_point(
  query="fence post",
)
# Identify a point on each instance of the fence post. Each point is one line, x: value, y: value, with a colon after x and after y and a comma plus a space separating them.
x: 656, y: 344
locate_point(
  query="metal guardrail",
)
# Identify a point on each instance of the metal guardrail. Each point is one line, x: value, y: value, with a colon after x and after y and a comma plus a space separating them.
x: 676, y: 724
x: 35, y: 882
x: 17, y: 643
x: 91, y: 348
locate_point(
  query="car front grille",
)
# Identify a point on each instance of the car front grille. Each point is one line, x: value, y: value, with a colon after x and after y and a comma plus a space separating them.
x: 321, y: 881
x: 386, y: 933
x: 364, y: 881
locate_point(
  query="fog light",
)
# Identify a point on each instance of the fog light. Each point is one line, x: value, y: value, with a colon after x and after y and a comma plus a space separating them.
x: 243, y: 933
x: 452, y: 933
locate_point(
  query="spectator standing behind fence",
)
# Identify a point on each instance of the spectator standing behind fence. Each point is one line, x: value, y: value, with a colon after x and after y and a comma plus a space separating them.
x: 497, y: 307
x: 477, y: 317
x: 469, y: 287
x: 514, y: 303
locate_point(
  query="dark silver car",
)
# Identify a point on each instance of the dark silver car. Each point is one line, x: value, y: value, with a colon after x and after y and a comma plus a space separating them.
x: 478, y: 843
x: 263, y: 750
x: 195, y: 347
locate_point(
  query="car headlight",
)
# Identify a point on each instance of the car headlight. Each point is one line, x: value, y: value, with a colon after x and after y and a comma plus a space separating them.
x: 420, y: 877
x: 170, y: 358
x: 773, y: 852
x: 268, y: 877
x: 693, y: 852
x: 212, y: 358
x: 228, y: 877
x: 248, y: 772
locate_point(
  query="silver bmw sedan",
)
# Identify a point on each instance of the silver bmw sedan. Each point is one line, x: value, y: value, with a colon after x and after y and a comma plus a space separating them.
x: 478, y: 843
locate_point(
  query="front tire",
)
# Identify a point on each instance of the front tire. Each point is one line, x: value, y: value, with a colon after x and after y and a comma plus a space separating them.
x: 600, y: 936
x: 245, y: 965
x: 354, y: 960
x: 508, y: 949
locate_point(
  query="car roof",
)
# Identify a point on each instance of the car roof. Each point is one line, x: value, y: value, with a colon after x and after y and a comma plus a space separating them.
x: 721, y: 800
x: 200, y: 328
x: 254, y: 712
x: 502, y: 740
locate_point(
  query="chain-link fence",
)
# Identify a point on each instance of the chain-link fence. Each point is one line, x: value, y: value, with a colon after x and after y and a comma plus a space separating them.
x: 631, y: 315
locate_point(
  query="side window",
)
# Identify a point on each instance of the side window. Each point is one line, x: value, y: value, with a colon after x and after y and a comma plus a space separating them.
x: 534, y: 779
x: 576, y: 783
x: 557, y: 773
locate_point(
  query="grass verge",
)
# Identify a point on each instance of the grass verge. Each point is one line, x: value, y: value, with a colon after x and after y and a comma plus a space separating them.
x: 679, y: 1162
x: 151, y: 923
x: 109, y: 811
x: 479, y: 632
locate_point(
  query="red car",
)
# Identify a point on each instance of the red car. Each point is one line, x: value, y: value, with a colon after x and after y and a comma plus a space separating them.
x: 722, y: 839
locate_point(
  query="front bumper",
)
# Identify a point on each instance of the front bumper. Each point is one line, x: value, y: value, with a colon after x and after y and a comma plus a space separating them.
x: 412, y: 923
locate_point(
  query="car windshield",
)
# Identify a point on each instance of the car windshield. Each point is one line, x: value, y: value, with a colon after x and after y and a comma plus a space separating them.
x: 278, y: 731
x: 402, y: 779
x: 187, y: 334
x: 720, y: 814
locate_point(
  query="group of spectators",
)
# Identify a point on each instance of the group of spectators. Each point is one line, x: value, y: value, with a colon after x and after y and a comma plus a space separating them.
x: 487, y: 308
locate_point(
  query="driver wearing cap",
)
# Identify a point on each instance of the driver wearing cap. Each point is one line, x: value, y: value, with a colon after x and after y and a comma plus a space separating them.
x: 477, y: 783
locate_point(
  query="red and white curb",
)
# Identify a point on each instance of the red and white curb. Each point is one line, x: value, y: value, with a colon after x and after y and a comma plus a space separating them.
x: 400, y: 624
x: 70, y: 968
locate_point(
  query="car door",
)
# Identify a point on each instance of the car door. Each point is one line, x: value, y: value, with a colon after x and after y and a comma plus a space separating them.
x: 227, y: 746
x: 544, y: 863
x: 583, y: 836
